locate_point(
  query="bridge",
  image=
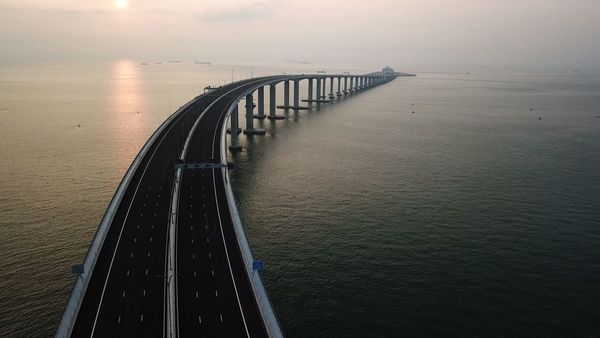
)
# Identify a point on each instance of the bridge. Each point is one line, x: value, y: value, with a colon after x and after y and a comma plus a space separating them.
x: 170, y: 257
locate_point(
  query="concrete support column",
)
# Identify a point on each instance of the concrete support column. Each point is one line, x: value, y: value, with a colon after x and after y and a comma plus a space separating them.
x: 250, y: 130
x: 235, y: 145
x: 331, y: 88
x: 261, y: 103
x: 318, y: 92
x: 324, y: 88
x: 345, y: 85
x: 272, y: 100
x: 273, y: 104
x: 286, y: 94
x: 310, y: 90
x: 296, y: 94
x: 339, y: 91
x: 249, y: 112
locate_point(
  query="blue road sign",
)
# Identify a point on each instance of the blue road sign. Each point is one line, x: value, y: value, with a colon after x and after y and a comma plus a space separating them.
x: 258, y: 265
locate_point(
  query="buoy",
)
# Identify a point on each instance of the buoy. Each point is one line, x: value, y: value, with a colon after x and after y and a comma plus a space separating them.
x: 413, y: 112
x: 530, y: 109
x: 79, y: 125
x: 539, y: 118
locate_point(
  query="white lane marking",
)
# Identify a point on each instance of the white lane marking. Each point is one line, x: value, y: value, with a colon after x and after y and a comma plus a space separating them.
x: 193, y: 256
x: 213, y: 173
x: 148, y: 254
x: 119, y: 320
x: 123, y: 294
x: 150, y: 239
x: 207, y: 240
x: 142, y: 318
x: 225, y: 244
x: 134, y: 240
x: 212, y: 272
x: 144, y: 293
x: 192, y: 240
x: 194, y: 273
x: 221, y: 316
x: 199, y: 320
x: 216, y: 293
x: 209, y: 255
x: 146, y: 272
x: 196, y: 294
x: 131, y: 255
x: 123, y: 224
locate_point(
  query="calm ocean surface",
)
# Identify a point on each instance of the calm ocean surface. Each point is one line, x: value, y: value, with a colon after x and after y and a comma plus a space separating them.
x: 470, y: 217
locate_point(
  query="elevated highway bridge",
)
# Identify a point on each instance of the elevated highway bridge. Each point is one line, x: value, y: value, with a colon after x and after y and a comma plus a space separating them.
x: 170, y: 257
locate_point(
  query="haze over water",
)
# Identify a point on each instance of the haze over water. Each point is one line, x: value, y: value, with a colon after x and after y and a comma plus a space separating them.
x: 472, y: 216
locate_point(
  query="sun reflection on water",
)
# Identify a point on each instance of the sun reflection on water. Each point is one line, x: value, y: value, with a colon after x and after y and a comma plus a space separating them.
x: 128, y: 114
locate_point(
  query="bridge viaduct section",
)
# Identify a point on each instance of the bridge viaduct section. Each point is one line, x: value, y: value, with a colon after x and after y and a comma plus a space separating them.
x: 170, y: 257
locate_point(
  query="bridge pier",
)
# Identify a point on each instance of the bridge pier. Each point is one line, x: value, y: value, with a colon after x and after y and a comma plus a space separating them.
x: 250, y: 130
x: 235, y: 130
x: 273, y: 105
x: 296, y: 94
x: 286, y: 94
x: 331, y: 89
x: 261, y: 104
x: 310, y: 91
x: 339, y: 87
x: 345, y: 85
x: 318, y: 93
x: 323, y: 95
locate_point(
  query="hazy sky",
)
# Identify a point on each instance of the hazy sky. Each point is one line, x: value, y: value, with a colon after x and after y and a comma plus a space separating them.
x: 403, y: 33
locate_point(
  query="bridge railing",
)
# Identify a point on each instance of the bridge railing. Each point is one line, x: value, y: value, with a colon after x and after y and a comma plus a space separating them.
x: 67, y: 321
x: 260, y: 293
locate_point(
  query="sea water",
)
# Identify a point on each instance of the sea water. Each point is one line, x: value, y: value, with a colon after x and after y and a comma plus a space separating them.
x: 447, y: 204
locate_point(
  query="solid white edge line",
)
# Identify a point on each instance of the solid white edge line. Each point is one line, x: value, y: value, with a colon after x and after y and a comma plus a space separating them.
x: 173, y: 301
x: 123, y: 226
x: 67, y: 322
x: 264, y: 304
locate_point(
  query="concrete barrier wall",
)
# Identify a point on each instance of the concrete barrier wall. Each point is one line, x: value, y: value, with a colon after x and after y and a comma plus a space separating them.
x: 260, y: 293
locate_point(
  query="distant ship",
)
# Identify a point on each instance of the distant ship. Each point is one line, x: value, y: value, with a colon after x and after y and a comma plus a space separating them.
x: 174, y: 61
x: 203, y: 63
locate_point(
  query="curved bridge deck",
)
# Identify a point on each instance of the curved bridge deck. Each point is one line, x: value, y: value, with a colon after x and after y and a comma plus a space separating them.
x: 167, y: 260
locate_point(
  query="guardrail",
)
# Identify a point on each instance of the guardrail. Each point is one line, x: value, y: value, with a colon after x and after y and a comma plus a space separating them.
x: 260, y: 293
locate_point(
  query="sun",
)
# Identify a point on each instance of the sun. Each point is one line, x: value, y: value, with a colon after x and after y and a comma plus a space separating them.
x: 121, y: 4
